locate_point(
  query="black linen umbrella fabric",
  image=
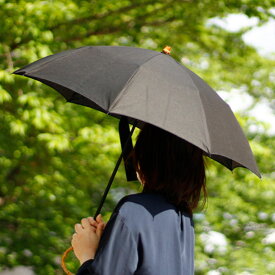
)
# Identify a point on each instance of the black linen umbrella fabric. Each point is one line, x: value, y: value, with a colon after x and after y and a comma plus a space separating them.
x: 143, y: 86
x: 150, y: 87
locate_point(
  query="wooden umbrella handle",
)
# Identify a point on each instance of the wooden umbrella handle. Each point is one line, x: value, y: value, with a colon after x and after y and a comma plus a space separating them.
x: 63, y: 261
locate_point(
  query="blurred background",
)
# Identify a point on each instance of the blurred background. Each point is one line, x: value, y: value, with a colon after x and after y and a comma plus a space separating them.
x: 56, y: 157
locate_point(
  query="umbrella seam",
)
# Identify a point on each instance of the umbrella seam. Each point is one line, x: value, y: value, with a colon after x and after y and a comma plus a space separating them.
x: 128, y: 83
x: 203, y: 120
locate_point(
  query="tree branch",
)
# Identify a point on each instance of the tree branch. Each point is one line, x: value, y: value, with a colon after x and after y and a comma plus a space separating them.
x: 98, y: 16
x: 91, y: 18
x: 115, y: 29
x: 128, y: 24
x: 8, y: 58
x: 110, y: 13
x: 101, y: 16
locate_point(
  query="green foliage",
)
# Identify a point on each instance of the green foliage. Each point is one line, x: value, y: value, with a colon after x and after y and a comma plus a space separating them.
x: 56, y: 158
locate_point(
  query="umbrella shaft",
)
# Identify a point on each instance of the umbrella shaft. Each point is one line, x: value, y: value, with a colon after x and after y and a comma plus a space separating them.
x: 115, y: 171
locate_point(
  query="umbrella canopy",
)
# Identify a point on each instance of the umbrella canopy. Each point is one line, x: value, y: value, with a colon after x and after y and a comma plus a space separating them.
x: 151, y: 87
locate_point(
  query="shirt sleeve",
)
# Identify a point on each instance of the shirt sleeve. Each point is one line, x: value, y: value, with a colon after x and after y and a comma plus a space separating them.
x: 117, y: 253
x: 84, y: 268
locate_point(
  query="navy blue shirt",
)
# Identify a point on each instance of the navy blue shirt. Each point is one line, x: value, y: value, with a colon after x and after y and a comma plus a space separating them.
x: 146, y: 235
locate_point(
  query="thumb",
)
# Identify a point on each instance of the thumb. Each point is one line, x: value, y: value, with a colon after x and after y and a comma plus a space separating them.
x: 100, y: 229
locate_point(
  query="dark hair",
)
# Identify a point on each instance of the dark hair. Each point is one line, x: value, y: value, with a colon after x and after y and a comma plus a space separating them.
x: 171, y: 166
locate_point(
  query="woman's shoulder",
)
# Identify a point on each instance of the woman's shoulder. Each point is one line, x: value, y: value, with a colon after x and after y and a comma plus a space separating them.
x: 148, y: 201
x: 150, y: 208
x: 147, y: 205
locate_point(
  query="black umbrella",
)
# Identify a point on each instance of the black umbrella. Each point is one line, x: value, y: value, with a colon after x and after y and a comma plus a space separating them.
x: 139, y: 85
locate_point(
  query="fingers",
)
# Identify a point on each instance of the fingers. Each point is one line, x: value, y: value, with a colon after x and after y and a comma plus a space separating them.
x: 92, y: 221
x: 99, y: 218
x: 85, y: 223
x: 78, y: 227
x: 100, y: 229
x: 102, y: 221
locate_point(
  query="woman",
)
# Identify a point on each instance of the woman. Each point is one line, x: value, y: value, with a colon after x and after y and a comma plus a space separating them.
x: 150, y: 233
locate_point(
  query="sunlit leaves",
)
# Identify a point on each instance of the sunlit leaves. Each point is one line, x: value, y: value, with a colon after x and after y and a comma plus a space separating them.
x: 55, y: 142
x: 4, y: 96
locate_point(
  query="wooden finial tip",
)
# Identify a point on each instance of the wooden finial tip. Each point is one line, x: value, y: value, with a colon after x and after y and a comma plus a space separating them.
x: 167, y: 50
